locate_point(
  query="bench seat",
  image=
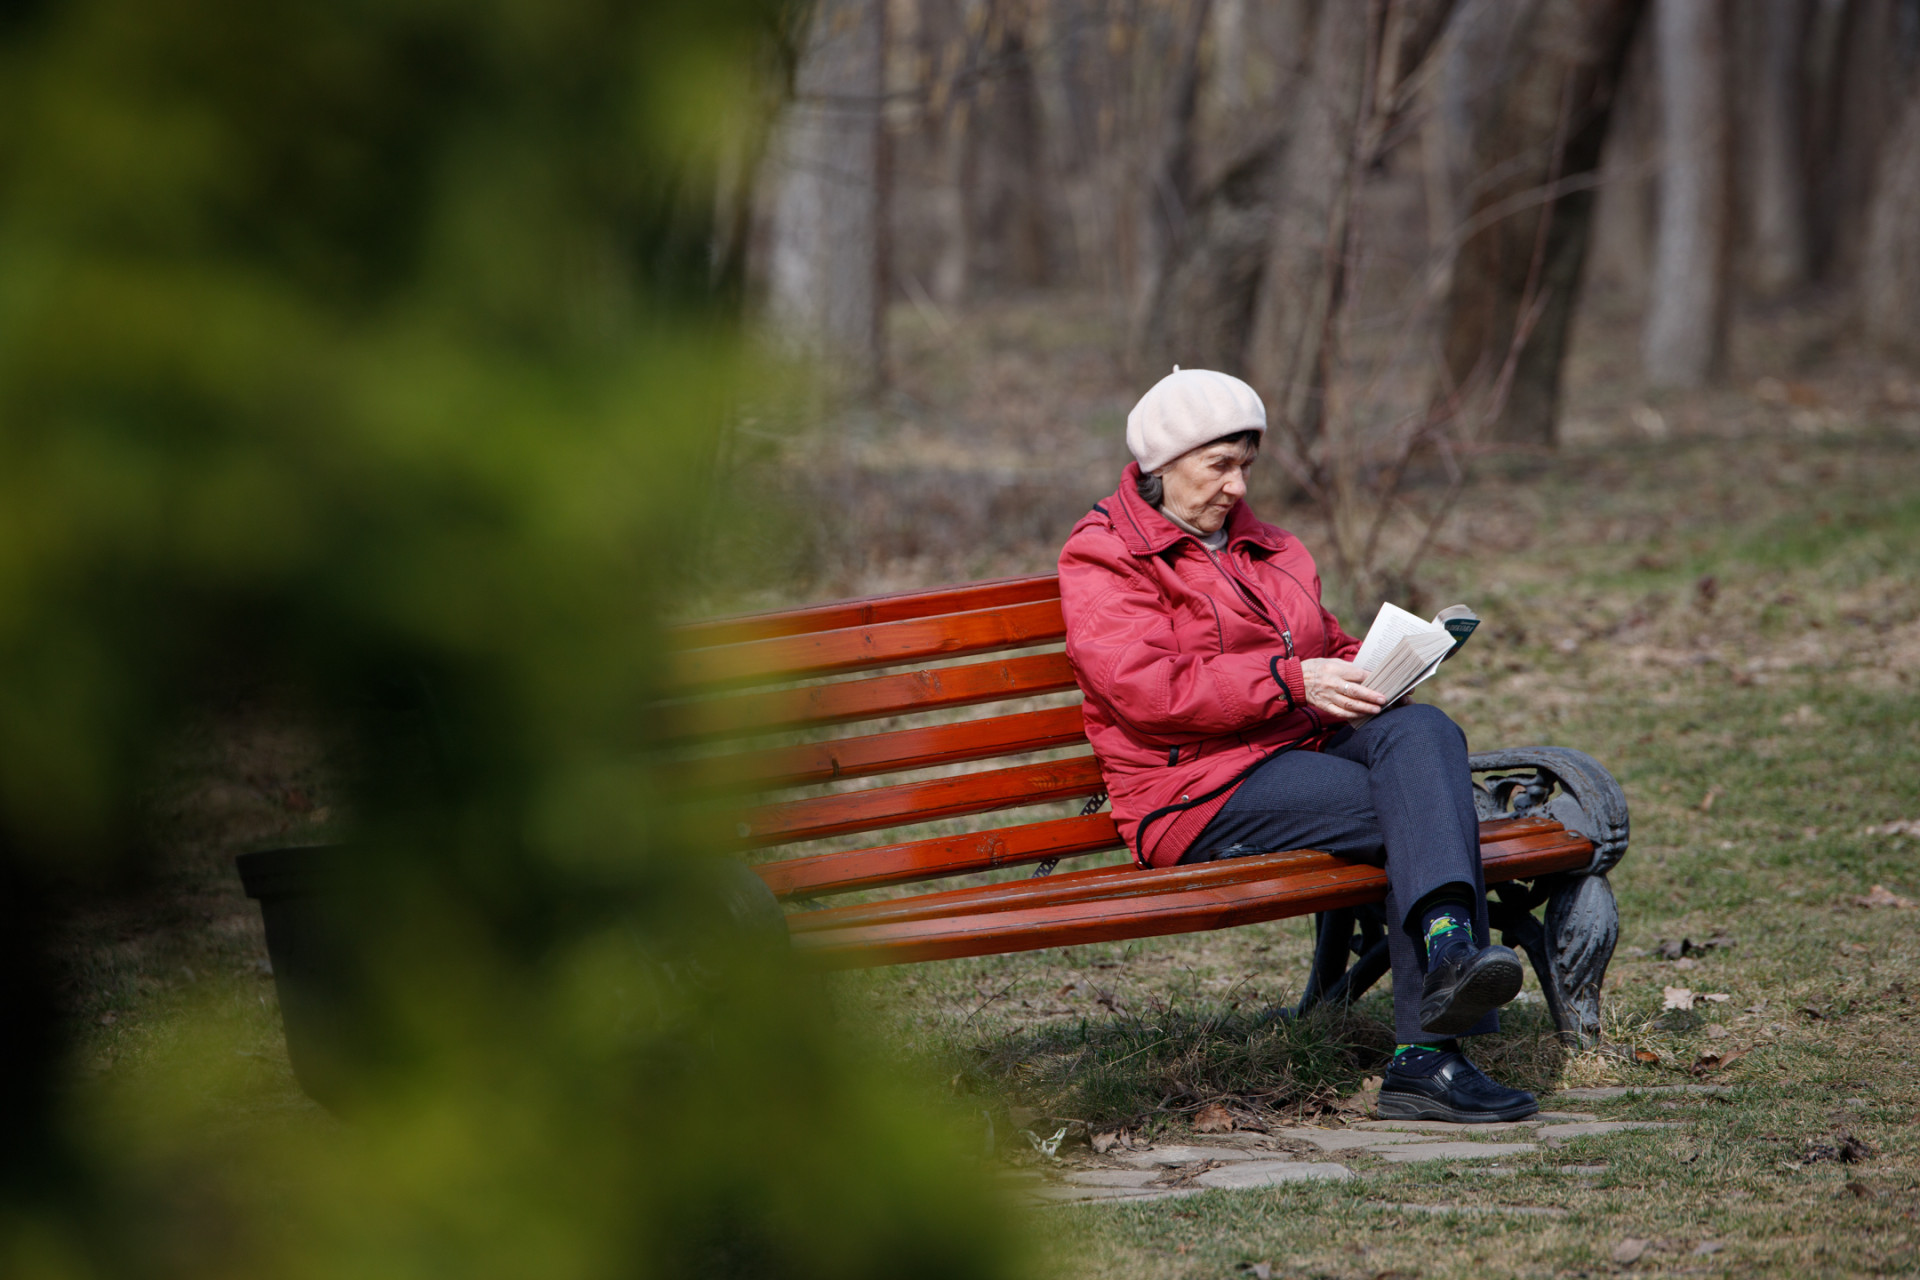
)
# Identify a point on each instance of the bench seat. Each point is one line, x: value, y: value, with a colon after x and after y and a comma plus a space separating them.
x: 1553, y: 821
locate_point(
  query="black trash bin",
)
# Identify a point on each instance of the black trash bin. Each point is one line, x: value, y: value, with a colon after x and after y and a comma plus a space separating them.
x: 316, y: 902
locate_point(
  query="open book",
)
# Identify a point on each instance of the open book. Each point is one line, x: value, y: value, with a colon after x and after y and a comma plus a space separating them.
x: 1401, y: 650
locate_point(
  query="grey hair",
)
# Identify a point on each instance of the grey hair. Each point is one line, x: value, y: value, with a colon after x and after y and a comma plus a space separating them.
x: 1153, y: 490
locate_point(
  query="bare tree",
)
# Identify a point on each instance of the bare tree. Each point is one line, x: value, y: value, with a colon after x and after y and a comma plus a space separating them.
x: 1890, y: 271
x: 1256, y: 280
x: 1684, y: 341
x: 827, y: 250
x: 1168, y: 193
x: 1542, y: 75
x: 1774, y: 35
x: 1860, y: 63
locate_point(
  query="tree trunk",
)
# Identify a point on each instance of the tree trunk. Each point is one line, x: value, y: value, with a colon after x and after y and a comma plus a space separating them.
x: 1305, y: 266
x: 1775, y: 169
x: 1861, y: 60
x: 1531, y: 160
x: 827, y: 266
x: 1890, y: 263
x: 1684, y: 343
x: 1168, y: 193
x: 1257, y: 277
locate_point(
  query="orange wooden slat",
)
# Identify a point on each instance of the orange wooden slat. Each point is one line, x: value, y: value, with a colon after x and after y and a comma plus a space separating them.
x: 1245, y: 901
x: 873, y: 697
x: 862, y: 613
x: 863, y: 757
x: 878, y: 807
x: 940, y: 856
x: 883, y: 644
x: 1498, y: 838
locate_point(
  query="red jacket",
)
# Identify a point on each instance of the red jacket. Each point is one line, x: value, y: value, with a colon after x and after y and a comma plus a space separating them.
x: 1189, y: 659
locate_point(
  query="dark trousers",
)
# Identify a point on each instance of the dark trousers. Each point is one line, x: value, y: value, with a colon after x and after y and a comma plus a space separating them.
x: 1395, y: 792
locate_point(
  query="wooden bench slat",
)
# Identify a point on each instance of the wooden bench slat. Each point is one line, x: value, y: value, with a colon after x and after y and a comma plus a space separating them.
x: 1116, y: 919
x: 905, y: 749
x: 1028, y: 675
x: 861, y: 613
x: 1498, y: 838
x: 863, y: 648
x: 879, y: 807
x: 940, y: 856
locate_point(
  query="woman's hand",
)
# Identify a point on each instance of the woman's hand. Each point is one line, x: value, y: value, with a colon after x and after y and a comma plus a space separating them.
x: 1335, y: 687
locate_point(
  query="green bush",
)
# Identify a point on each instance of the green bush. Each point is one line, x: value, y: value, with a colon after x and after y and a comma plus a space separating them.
x: 379, y: 352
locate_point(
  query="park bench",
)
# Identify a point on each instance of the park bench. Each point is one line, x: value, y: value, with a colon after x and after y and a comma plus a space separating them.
x: 887, y: 673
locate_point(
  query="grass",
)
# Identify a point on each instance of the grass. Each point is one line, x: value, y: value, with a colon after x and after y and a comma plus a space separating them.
x: 1728, y: 618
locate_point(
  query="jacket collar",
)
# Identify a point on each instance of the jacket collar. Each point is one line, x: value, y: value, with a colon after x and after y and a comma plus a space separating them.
x: 1148, y: 533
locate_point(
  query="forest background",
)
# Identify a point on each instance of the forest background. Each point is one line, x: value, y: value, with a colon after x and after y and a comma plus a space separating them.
x: 377, y: 383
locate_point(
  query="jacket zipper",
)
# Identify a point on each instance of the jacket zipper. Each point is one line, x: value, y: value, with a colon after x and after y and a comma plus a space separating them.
x: 1246, y: 593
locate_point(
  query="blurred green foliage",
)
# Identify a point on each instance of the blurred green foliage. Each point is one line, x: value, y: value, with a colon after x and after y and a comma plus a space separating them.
x: 380, y: 351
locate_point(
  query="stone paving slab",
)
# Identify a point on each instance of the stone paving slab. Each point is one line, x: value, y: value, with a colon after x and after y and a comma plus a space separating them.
x: 1177, y: 1153
x: 1354, y: 1139
x: 1135, y: 1178
x: 1070, y: 1194
x: 1441, y: 1126
x: 1272, y: 1173
x: 1594, y: 1128
x: 1423, y: 1151
x: 1603, y: 1093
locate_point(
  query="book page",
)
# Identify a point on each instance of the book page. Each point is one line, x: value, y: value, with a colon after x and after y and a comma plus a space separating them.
x: 1413, y: 660
x: 1391, y: 625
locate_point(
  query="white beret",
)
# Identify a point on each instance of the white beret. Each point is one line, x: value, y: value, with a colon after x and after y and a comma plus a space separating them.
x: 1189, y: 408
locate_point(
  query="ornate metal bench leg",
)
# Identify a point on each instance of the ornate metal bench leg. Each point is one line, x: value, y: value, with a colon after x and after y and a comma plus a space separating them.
x: 1583, y: 924
x: 1569, y: 951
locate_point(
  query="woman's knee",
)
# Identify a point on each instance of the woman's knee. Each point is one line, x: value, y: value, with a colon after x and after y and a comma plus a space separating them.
x: 1418, y: 719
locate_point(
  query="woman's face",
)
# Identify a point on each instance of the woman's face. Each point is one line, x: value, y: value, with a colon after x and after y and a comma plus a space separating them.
x: 1203, y: 484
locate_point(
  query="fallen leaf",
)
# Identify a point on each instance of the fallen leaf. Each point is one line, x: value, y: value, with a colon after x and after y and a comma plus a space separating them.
x: 1706, y: 802
x: 1881, y: 896
x: 1908, y: 827
x: 1812, y: 1012
x: 1213, y: 1118
x: 1707, y: 1248
x: 1258, y: 1270
x: 1711, y: 1061
x: 1645, y: 1055
x: 1853, y: 948
x: 1718, y: 997
x: 1628, y: 1251
x: 1717, y: 940
x: 1105, y: 1142
x: 1677, y: 998
x: 1685, y: 963
x: 1717, y: 1032
x: 1673, y: 948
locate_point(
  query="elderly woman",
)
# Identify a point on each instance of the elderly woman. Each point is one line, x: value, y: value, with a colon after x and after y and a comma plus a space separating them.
x: 1219, y: 696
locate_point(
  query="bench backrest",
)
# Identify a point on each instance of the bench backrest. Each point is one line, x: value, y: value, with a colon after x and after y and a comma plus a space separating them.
x: 857, y: 667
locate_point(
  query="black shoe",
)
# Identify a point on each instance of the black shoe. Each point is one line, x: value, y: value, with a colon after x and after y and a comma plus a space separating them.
x: 1462, y: 989
x: 1453, y: 1090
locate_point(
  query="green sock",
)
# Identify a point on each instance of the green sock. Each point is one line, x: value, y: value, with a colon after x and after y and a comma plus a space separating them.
x: 1398, y: 1050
